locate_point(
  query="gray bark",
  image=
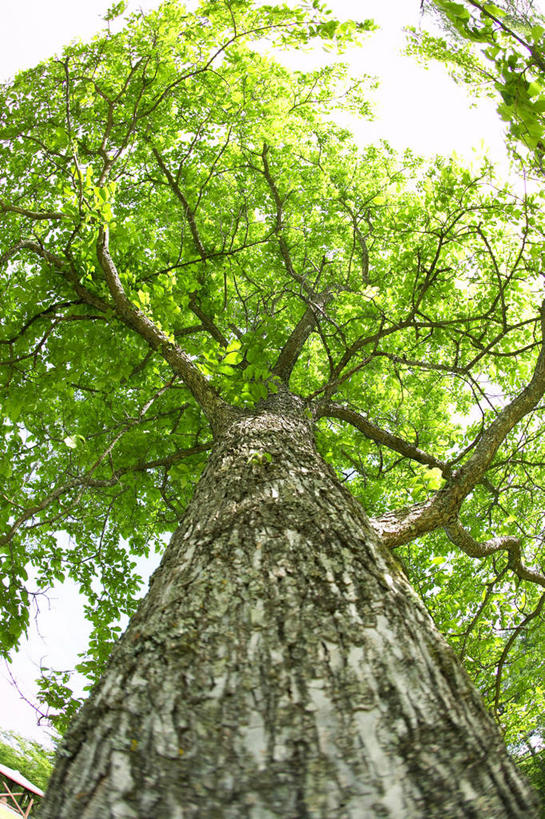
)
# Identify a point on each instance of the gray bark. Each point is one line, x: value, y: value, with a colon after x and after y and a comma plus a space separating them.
x: 281, y: 666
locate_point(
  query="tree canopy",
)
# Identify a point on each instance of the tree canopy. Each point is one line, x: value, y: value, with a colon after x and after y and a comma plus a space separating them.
x: 185, y: 228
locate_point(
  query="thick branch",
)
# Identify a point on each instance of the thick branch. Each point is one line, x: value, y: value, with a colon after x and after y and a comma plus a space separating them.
x: 291, y: 350
x: 461, y: 538
x: 331, y: 410
x: 471, y: 473
x: 403, y: 525
x: 294, y: 344
x: 63, y: 267
x: 207, y: 322
x: 31, y: 214
x: 212, y: 405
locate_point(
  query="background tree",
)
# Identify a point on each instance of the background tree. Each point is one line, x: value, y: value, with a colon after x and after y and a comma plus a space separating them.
x: 26, y: 756
x: 202, y: 274
x: 532, y: 764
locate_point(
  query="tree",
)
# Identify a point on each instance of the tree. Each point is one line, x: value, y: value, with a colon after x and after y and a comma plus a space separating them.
x: 224, y: 319
x: 533, y: 765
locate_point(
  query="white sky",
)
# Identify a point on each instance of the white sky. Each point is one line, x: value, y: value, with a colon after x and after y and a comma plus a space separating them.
x: 416, y: 108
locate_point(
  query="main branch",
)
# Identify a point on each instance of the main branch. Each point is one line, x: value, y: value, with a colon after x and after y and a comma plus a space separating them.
x: 295, y: 342
x: 461, y: 538
x: 212, y: 405
x: 403, y: 525
x: 375, y: 433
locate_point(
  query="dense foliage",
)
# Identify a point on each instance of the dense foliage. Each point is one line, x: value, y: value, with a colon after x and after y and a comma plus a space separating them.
x: 183, y: 224
x: 498, y: 49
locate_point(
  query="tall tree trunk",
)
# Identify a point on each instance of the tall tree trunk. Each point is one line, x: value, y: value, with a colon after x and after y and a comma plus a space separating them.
x: 281, y: 666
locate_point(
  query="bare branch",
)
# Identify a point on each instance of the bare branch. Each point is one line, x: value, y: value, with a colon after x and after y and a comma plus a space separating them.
x: 40, y: 714
x: 364, y: 341
x: 449, y: 369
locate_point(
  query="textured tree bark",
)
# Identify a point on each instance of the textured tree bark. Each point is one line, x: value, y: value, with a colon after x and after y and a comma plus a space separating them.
x: 281, y: 666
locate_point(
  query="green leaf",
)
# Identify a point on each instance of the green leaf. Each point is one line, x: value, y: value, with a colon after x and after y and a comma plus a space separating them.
x: 116, y: 10
x: 433, y: 478
x: 493, y: 9
x: 455, y: 10
x: 232, y: 358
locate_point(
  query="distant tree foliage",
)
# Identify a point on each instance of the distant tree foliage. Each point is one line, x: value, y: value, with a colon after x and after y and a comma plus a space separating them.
x: 26, y: 756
